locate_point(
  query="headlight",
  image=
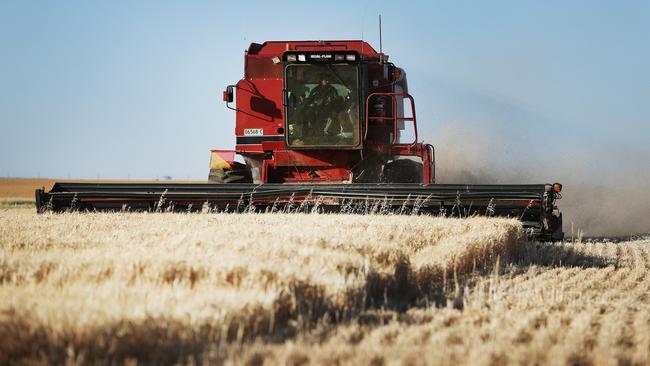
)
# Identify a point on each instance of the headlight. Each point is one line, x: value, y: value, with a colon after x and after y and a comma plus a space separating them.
x: 351, y: 57
x: 291, y: 58
x: 301, y: 58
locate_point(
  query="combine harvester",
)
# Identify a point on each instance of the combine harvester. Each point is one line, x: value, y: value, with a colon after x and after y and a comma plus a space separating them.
x: 323, y: 126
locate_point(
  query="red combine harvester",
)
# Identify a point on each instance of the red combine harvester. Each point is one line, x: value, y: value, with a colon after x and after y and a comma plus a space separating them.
x: 321, y: 126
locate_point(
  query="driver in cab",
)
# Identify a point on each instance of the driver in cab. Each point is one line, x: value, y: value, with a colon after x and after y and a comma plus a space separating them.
x: 323, y: 105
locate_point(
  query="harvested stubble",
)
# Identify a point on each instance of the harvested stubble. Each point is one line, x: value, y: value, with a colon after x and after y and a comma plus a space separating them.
x: 14, y: 203
x: 559, y: 304
x: 177, y: 287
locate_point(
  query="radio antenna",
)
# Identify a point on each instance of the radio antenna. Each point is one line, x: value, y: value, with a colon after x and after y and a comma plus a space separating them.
x: 380, y: 48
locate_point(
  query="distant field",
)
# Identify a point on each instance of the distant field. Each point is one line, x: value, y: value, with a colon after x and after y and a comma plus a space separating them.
x: 159, y: 288
x: 19, y: 192
x: 24, y: 187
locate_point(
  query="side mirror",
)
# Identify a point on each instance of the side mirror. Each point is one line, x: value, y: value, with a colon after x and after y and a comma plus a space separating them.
x: 229, y: 94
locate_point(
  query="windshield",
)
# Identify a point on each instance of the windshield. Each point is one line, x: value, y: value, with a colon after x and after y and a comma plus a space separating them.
x: 322, y: 105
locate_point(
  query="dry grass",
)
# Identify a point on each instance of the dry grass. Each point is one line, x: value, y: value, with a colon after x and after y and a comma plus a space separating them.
x: 275, y: 288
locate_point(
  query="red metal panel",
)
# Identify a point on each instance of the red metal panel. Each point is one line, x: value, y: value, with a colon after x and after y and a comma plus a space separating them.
x: 315, y: 159
x: 262, y: 67
x: 309, y: 175
x: 273, y: 145
x: 259, y: 105
x: 249, y: 148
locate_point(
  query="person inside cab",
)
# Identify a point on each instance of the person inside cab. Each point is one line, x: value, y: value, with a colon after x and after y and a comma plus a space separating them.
x: 323, y: 106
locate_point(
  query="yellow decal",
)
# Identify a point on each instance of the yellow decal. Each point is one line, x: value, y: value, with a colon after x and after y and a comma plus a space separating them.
x: 217, y: 162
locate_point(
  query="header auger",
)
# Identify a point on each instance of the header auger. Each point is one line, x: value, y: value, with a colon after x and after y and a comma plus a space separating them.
x: 322, y: 126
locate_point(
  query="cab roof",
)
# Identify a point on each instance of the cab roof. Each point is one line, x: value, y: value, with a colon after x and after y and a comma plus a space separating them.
x: 277, y: 48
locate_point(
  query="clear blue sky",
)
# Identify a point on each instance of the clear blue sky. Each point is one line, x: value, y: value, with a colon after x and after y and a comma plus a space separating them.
x: 132, y: 88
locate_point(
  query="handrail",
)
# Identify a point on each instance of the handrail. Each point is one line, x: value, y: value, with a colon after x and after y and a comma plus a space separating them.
x: 432, y: 162
x: 394, y: 118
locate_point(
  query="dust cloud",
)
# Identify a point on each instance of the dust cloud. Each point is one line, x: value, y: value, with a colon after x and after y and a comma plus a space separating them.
x: 606, y: 192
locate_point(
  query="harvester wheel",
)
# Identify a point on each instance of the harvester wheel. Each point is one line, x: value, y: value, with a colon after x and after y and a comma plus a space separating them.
x: 402, y: 171
x: 239, y: 173
x: 369, y: 171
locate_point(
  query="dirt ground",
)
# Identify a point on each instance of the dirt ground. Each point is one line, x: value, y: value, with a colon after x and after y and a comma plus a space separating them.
x: 24, y: 187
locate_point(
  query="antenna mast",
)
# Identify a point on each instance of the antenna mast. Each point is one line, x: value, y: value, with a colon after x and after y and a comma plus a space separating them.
x: 380, y: 48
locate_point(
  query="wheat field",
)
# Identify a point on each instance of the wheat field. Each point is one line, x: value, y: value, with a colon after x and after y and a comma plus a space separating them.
x: 310, y: 288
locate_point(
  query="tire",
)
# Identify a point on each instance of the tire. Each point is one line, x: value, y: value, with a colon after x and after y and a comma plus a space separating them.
x: 369, y: 171
x: 402, y: 171
x: 239, y: 173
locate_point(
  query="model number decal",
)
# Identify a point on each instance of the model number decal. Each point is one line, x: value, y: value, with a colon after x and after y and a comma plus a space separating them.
x: 253, y: 132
